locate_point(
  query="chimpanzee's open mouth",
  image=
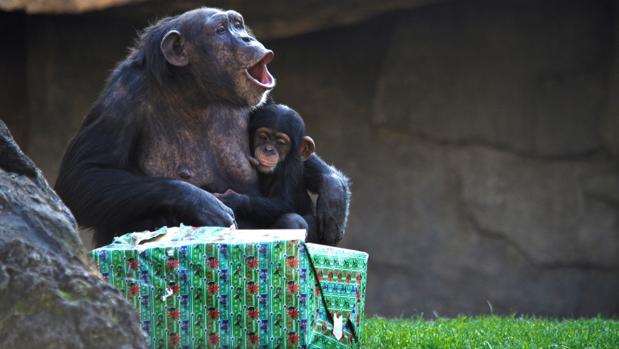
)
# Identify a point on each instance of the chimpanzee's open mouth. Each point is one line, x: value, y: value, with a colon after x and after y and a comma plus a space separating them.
x: 259, y: 73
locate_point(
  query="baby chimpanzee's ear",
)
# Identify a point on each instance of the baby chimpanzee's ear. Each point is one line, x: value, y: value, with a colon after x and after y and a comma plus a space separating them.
x: 307, y: 147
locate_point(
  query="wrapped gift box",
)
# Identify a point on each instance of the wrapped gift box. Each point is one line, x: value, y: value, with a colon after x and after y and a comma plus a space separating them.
x: 213, y: 287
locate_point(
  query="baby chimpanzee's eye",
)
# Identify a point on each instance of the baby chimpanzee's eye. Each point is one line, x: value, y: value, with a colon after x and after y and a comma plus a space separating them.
x: 238, y: 24
x: 281, y: 141
x: 220, y: 29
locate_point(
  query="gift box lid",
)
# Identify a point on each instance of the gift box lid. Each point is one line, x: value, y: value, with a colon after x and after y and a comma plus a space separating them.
x: 182, y: 236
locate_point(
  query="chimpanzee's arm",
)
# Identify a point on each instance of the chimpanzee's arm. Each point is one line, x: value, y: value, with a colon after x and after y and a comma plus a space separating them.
x: 99, y: 185
x: 333, y: 190
x: 258, y: 209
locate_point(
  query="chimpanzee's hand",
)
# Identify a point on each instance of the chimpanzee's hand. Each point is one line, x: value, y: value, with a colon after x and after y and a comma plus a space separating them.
x: 231, y: 198
x: 204, y: 209
x: 253, y: 161
x: 332, y: 208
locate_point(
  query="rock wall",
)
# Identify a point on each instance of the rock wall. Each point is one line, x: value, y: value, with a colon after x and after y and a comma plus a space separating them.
x: 473, y: 136
x: 481, y: 137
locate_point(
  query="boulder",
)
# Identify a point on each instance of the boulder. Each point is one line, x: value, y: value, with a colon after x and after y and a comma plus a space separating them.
x: 49, y: 297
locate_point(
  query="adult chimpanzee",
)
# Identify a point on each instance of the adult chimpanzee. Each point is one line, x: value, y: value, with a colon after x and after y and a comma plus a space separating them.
x: 279, y: 148
x: 170, y: 128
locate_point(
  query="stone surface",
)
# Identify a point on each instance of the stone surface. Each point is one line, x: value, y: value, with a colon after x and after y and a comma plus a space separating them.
x: 61, y: 6
x: 13, y: 63
x: 610, y: 127
x: 54, y: 61
x: 554, y: 213
x: 504, y: 78
x: 481, y: 138
x: 49, y: 298
x: 269, y: 19
x: 474, y: 181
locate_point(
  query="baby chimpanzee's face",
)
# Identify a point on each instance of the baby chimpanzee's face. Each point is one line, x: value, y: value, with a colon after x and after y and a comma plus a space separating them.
x: 270, y: 148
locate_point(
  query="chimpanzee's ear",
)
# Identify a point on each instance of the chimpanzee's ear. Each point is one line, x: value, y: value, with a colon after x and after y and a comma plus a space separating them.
x: 308, y: 147
x: 173, y: 48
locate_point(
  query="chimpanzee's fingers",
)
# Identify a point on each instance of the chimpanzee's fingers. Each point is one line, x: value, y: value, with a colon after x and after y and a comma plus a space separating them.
x: 333, y: 233
x: 219, y: 220
x: 253, y: 161
x: 331, y: 211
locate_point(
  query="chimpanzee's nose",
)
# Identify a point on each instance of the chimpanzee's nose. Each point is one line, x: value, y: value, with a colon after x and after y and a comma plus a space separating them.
x: 269, y: 148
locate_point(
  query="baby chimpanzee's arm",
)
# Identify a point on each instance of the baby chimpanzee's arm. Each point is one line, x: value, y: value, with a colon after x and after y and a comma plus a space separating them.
x: 333, y: 189
x: 261, y: 210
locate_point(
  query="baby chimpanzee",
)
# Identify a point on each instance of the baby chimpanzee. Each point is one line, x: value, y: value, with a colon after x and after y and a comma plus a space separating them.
x: 279, y: 147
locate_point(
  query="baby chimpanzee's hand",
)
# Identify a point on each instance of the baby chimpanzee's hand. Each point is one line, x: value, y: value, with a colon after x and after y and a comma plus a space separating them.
x: 253, y: 161
x: 230, y: 198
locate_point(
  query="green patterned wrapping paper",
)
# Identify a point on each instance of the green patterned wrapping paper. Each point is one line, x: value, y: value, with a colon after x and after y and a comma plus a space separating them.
x: 213, y: 287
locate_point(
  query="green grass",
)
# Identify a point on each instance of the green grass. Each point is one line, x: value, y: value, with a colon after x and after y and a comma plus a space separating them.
x: 490, y: 332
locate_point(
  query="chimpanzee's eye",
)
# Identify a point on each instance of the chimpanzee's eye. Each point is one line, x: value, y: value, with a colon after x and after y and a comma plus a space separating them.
x: 221, y: 29
x: 238, y: 24
x: 281, y: 141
